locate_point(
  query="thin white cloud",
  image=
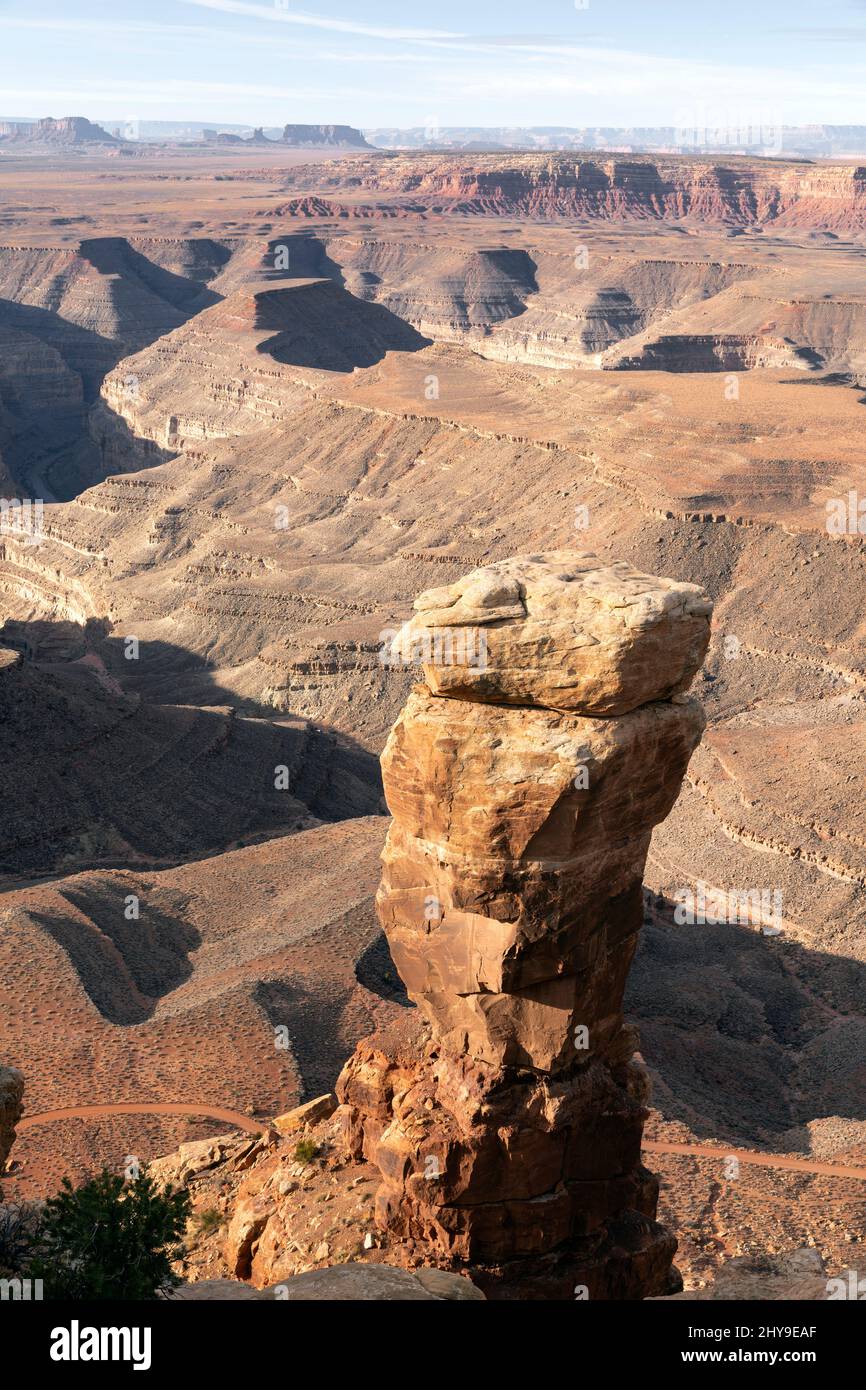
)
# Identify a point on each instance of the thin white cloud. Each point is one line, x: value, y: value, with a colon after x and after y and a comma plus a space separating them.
x: 162, y: 92
x: 434, y: 38
x: 116, y: 32
x: 376, y: 56
x: 275, y: 14
x: 98, y: 26
x: 121, y: 28
x: 672, y: 83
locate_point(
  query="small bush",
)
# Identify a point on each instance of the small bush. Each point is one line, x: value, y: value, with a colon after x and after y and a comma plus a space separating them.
x: 209, y: 1220
x: 306, y: 1150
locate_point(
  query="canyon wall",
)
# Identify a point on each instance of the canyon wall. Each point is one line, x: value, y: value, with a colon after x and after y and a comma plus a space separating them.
x: 525, y: 777
x: 739, y: 192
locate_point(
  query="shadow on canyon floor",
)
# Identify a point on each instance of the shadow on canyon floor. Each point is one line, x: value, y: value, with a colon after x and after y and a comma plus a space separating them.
x: 748, y: 1037
x: 124, y: 266
x: 125, y: 964
x: 47, y: 445
x: 162, y: 673
x: 301, y: 254
x: 323, y: 326
x: 95, y: 775
x: 376, y: 971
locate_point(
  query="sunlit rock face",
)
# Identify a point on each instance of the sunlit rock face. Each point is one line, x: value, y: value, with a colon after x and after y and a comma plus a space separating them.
x: 524, y: 785
x: 560, y: 631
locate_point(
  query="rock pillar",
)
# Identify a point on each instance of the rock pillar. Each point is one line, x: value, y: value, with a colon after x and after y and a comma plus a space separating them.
x: 524, y: 778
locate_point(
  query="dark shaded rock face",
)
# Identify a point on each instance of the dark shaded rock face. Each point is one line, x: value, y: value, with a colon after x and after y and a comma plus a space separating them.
x: 506, y: 1115
x: 11, y: 1092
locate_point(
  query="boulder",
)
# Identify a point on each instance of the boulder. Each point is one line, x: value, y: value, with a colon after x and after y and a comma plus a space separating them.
x: 798, y: 1276
x: 563, y: 630
x: 375, y: 1283
x: 310, y: 1113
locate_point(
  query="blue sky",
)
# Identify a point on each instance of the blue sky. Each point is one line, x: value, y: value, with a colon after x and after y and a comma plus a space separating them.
x: 447, y: 62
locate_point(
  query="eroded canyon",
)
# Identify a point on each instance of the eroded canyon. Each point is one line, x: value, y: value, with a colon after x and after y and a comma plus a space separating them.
x: 266, y: 402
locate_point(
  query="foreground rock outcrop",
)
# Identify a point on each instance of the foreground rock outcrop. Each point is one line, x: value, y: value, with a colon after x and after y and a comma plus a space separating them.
x: 506, y: 1127
x: 798, y: 1276
x: 349, y: 1283
x: 11, y: 1092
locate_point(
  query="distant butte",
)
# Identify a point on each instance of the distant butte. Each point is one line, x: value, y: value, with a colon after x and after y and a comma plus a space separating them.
x: 297, y: 136
x: 70, y: 131
x: 317, y: 135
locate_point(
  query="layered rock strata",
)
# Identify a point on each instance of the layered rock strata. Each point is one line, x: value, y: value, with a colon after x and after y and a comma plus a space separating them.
x: 545, y: 186
x: 524, y: 785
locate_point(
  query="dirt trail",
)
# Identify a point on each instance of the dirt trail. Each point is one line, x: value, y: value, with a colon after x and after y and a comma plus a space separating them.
x: 234, y: 1117
x: 92, y: 1112
x: 761, y: 1160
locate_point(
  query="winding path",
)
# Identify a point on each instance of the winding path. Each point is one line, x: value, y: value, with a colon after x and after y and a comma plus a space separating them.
x: 239, y: 1121
x: 760, y: 1160
x: 95, y: 1112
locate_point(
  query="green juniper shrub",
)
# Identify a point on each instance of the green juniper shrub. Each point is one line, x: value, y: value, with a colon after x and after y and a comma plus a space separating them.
x: 111, y: 1239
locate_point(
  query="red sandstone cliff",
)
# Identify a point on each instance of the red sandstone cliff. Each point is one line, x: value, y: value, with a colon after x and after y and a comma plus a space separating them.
x: 739, y: 193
